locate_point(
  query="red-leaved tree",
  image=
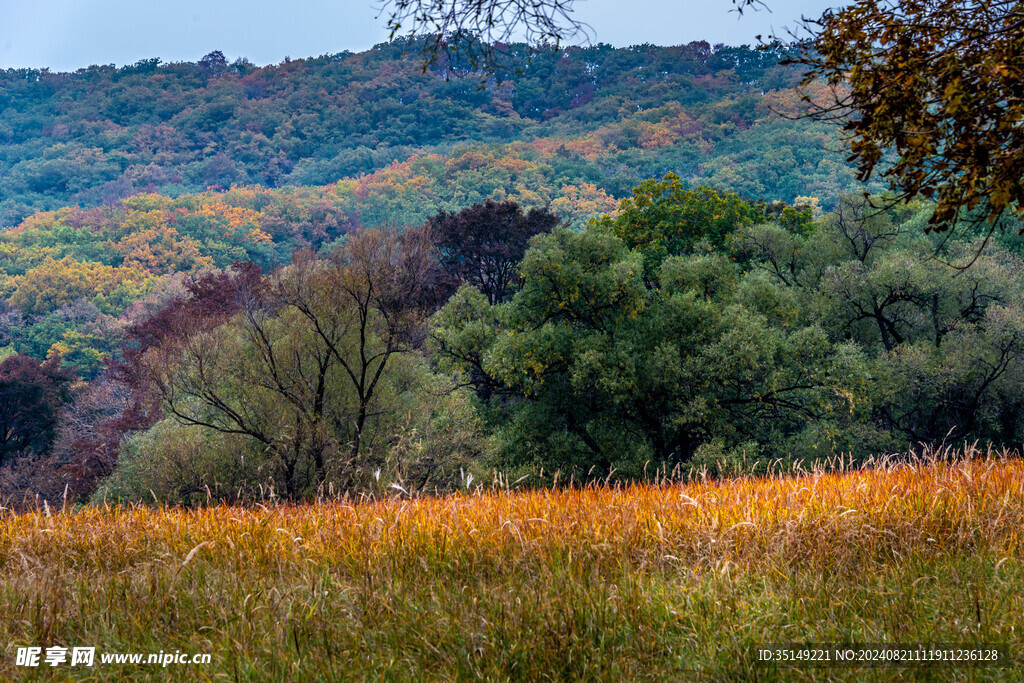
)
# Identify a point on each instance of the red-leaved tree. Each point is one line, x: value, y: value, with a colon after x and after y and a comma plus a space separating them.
x: 31, y: 394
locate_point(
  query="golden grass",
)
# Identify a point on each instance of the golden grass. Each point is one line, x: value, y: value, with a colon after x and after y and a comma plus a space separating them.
x: 599, y: 583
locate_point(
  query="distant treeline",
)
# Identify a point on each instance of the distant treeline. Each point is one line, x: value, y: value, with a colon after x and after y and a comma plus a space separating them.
x: 601, y: 116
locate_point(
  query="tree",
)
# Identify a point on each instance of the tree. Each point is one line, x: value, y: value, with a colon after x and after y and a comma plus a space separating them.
x: 932, y: 94
x: 377, y: 286
x: 31, y: 395
x: 77, y: 351
x: 945, y: 347
x: 311, y: 368
x: 482, y: 245
x: 663, y: 218
x: 214, y: 62
x: 126, y: 400
x: 53, y: 284
x: 599, y: 368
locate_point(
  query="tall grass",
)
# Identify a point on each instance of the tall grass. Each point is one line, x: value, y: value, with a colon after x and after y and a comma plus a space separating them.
x: 661, y: 581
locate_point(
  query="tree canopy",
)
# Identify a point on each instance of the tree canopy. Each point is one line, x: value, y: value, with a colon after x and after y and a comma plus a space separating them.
x: 664, y: 218
x: 590, y: 120
x: 483, y: 244
x: 932, y: 95
x: 31, y: 393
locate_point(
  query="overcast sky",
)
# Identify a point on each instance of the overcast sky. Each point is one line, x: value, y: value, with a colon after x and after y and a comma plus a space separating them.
x: 65, y: 35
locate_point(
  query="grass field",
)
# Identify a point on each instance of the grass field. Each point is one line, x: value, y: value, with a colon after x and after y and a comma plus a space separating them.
x: 666, y: 581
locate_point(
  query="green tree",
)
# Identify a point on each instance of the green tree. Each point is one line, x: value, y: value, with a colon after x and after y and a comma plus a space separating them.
x: 663, y: 218
x: 81, y: 353
x: 597, y: 368
x: 944, y: 344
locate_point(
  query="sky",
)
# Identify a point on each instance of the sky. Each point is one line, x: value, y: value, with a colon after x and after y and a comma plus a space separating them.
x: 65, y: 35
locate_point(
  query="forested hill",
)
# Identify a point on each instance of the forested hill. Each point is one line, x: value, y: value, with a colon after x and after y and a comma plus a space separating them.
x: 587, y: 122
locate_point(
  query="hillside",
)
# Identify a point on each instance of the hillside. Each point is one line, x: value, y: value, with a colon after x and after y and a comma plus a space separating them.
x: 115, y: 183
x: 573, y: 118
